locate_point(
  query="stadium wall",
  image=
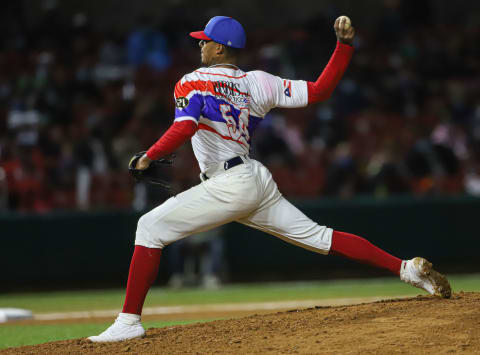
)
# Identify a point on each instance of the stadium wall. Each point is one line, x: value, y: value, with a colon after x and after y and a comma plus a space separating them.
x: 69, y: 250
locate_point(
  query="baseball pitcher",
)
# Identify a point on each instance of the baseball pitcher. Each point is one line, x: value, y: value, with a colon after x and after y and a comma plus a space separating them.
x: 218, y: 107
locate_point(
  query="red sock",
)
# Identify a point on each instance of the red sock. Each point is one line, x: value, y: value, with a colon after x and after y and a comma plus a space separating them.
x: 359, y: 249
x: 142, y: 274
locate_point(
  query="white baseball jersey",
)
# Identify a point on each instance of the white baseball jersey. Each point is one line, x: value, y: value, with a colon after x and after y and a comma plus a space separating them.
x: 228, y: 104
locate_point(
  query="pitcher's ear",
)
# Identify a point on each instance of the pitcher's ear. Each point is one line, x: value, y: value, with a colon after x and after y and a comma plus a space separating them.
x: 220, y: 49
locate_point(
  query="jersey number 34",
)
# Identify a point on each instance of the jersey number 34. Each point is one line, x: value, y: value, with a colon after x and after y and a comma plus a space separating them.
x: 236, y: 124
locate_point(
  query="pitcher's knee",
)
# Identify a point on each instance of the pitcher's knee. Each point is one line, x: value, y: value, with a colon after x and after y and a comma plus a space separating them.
x: 147, y: 234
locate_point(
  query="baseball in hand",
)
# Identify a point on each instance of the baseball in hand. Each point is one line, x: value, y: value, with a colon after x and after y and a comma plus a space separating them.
x: 346, y: 22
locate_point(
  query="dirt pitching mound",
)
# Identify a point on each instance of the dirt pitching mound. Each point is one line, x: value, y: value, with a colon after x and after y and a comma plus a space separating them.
x: 416, y: 325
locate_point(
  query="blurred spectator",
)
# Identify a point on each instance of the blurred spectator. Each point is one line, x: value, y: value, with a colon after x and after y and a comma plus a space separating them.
x: 147, y: 45
x: 77, y: 102
x: 197, y: 261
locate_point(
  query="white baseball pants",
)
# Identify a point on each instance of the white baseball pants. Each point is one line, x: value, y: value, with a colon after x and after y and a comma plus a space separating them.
x: 246, y: 194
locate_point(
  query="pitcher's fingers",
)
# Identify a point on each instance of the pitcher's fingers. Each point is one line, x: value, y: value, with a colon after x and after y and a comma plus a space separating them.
x: 335, y: 25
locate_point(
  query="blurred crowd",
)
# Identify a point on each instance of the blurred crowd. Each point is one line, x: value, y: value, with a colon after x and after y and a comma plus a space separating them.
x: 76, y: 103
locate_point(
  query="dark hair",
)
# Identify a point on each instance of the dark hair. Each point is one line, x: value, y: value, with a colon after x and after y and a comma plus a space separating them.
x: 231, y: 52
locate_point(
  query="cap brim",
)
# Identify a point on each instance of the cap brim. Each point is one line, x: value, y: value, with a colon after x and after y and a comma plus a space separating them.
x: 200, y: 35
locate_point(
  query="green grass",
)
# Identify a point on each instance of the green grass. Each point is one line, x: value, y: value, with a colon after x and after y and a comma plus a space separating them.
x: 17, y: 334
x: 67, y: 301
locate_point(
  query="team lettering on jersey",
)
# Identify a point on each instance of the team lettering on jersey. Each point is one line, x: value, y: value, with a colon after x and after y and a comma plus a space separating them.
x: 230, y: 91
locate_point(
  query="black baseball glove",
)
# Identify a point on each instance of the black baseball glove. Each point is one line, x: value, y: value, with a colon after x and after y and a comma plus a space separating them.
x: 155, y: 173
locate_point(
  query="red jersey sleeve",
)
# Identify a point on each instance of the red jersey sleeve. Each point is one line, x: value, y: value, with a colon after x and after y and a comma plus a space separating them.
x: 322, y: 89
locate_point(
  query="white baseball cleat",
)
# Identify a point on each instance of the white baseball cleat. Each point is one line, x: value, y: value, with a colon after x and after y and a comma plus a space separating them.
x: 419, y: 273
x: 126, y: 326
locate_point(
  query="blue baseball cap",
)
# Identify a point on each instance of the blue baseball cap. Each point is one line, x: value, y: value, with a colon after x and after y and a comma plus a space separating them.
x: 224, y: 30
